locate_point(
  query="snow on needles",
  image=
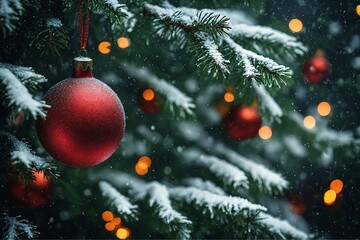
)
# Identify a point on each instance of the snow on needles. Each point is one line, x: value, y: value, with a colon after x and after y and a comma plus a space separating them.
x: 119, y: 201
x: 16, y: 227
x: 204, y: 185
x: 266, y: 100
x: 226, y: 172
x: 172, y: 94
x: 19, y: 96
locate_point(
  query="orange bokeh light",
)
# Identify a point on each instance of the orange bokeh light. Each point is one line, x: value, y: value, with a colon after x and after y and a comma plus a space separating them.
x: 295, y: 25
x: 116, y: 221
x: 104, y: 47
x: 148, y: 94
x: 141, y: 168
x: 107, y: 216
x: 248, y: 113
x: 146, y: 160
x: 229, y: 97
x: 324, y: 109
x: 123, y: 233
x: 329, y: 197
x: 265, y: 132
x: 358, y: 10
x: 336, y: 185
x: 109, y: 226
x: 123, y: 42
x: 309, y: 122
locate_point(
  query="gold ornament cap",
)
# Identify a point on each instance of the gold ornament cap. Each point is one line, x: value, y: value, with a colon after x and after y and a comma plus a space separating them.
x: 83, y: 63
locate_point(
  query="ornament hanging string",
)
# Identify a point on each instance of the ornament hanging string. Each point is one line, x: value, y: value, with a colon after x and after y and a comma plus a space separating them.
x: 83, y: 30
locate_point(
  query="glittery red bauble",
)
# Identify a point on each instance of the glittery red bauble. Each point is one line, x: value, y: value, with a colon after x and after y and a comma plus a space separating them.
x: 242, y: 122
x: 316, y: 70
x: 85, y: 123
x: 32, y: 194
x: 149, y: 106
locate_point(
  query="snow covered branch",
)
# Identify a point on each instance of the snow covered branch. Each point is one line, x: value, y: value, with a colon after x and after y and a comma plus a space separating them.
x: 267, y: 41
x: 122, y: 204
x: 225, y: 172
x: 16, y: 228
x: 21, y: 154
x: 266, y: 100
x: 173, y: 95
x: 10, y: 11
x: 17, y: 93
x: 204, y: 185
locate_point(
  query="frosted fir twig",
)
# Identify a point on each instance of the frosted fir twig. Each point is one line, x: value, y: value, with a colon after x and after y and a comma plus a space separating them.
x: 280, y: 227
x: 279, y: 72
x: 16, y: 228
x: 260, y: 37
x: 227, y: 173
x: 10, y: 11
x: 259, y: 173
x: 20, y: 153
x: 213, y: 203
x: 122, y: 204
x: 25, y: 74
x: 204, y: 185
x: 19, y: 96
x: 159, y: 198
x: 172, y: 94
x: 266, y: 100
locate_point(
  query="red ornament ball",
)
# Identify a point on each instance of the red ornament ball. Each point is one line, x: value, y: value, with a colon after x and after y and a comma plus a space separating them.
x: 242, y: 122
x: 33, y: 194
x: 85, y: 123
x: 316, y: 70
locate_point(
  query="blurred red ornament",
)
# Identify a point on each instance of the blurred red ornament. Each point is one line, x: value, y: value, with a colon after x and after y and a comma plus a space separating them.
x: 86, y: 121
x: 316, y: 70
x: 147, y: 101
x: 298, y: 205
x: 242, y: 122
x: 32, y: 194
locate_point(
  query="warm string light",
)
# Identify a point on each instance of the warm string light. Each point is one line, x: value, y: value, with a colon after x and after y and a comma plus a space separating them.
x: 329, y: 197
x: 104, y: 47
x: 309, y: 122
x: 265, y: 132
x: 114, y: 223
x: 295, y: 25
x: 336, y: 185
x: 358, y: 9
x: 148, y: 94
x: 142, y: 166
x: 229, y: 97
x: 123, y: 42
x: 324, y: 109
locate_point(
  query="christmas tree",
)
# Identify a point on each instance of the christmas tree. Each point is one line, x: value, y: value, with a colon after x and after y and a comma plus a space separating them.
x: 217, y: 128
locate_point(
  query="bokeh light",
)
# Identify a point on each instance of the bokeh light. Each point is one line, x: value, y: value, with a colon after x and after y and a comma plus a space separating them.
x: 109, y: 226
x: 107, y: 216
x: 324, y: 109
x: 336, y: 185
x: 265, y: 132
x: 295, y: 25
x: 123, y: 233
x: 116, y: 221
x: 329, y: 197
x: 222, y: 107
x: 148, y: 94
x: 123, y: 42
x: 141, y: 168
x: 146, y: 160
x: 309, y: 122
x: 229, y: 97
x: 104, y: 47
x: 358, y: 9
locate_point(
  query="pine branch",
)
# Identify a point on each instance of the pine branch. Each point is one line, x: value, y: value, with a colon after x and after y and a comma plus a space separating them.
x: 203, y: 185
x: 10, y: 12
x: 267, y: 41
x: 268, y: 69
x: 16, y: 92
x: 230, y: 175
x: 22, y: 157
x: 267, y: 102
x: 174, y: 97
x: 49, y: 36
x: 122, y: 204
x: 114, y: 10
x: 15, y: 228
